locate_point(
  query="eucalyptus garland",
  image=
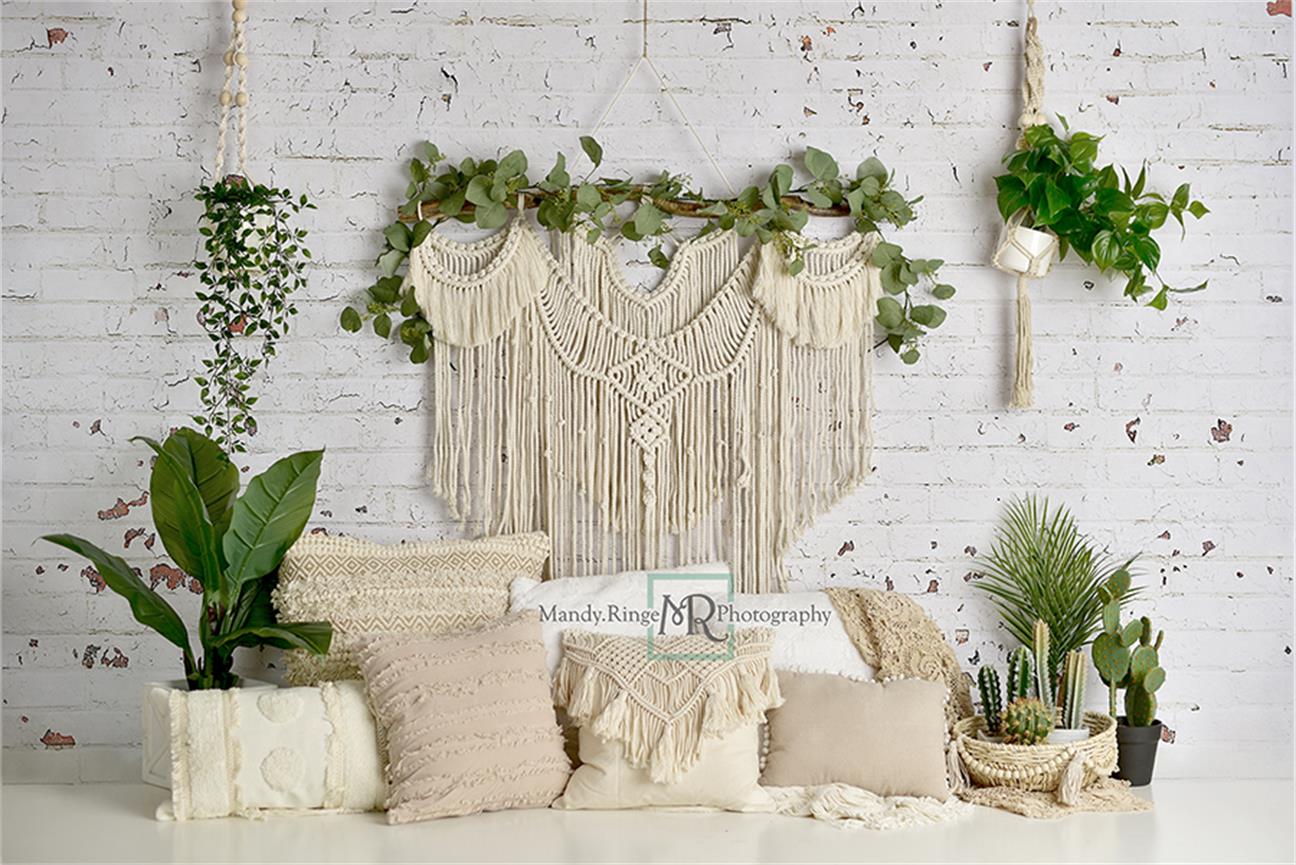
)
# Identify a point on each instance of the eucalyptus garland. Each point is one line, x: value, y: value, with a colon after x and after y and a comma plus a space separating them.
x: 254, y: 259
x: 482, y: 193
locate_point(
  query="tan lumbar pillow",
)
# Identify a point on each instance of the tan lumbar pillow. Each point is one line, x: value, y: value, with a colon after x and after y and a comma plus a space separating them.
x: 467, y: 718
x: 888, y: 738
x: 423, y: 587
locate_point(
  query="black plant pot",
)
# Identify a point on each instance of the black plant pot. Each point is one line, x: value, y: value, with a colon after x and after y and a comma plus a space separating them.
x: 1136, y: 751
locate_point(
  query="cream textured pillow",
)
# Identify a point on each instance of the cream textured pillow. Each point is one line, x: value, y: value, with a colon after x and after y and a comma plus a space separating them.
x: 888, y: 738
x: 818, y: 646
x: 650, y: 716
x: 468, y: 720
x: 244, y: 752
x: 424, y: 587
x: 725, y: 776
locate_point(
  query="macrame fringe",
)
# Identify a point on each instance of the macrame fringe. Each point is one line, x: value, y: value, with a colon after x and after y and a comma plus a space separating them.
x: 1023, y: 389
x: 645, y: 430
x: 663, y: 724
x: 957, y: 772
x: 848, y: 807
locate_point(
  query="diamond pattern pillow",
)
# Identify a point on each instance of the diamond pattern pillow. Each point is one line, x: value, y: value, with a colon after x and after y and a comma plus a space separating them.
x: 423, y: 587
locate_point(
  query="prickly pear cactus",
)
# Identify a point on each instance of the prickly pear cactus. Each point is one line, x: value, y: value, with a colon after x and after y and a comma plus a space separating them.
x: 991, y: 701
x: 1145, y: 676
x: 1026, y: 721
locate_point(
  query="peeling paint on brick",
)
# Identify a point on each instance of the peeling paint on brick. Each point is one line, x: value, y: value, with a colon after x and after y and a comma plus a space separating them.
x: 57, y: 741
x: 123, y: 507
x: 56, y: 36
x: 1279, y: 7
x: 96, y: 582
x: 1221, y: 431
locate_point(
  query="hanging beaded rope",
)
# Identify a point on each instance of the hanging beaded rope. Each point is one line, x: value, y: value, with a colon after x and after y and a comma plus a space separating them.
x: 1032, y: 89
x: 235, y: 57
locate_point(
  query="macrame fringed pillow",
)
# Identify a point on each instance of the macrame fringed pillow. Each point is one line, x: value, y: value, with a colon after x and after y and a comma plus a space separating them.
x: 671, y: 723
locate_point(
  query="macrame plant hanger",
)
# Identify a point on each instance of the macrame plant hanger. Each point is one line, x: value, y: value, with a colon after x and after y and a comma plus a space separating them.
x: 1032, y: 88
x: 644, y: 59
x: 235, y: 58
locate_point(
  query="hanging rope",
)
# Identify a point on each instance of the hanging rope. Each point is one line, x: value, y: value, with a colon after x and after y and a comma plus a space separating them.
x: 643, y: 59
x: 1023, y: 389
x: 235, y: 58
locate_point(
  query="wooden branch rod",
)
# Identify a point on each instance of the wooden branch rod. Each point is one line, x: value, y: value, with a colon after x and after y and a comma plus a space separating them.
x: 675, y: 206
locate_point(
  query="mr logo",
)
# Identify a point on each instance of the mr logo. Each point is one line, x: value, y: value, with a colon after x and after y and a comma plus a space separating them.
x: 691, y: 605
x: 685, y: 614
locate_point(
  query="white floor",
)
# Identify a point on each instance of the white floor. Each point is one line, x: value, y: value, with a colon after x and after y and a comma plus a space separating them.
x: 1194, y: 821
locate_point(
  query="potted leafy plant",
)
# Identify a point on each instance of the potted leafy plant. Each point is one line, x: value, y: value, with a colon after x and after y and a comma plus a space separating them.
x: 231, y: 544
x: 1127, y: 657
x: 1054, y: 186
x: 1040, y: 567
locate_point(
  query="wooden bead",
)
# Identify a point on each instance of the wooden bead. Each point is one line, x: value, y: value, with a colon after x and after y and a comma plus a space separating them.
x: 240, y: 16
x: 225, y: 98
x: 229, y: 58
x: 241, y: 59
x: 240, y: 4
x: 242, y: 99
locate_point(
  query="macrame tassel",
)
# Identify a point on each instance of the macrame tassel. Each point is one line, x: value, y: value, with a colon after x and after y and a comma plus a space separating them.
x: 1068, y: 791
x: 958, y: 775
x: 1023, y: 391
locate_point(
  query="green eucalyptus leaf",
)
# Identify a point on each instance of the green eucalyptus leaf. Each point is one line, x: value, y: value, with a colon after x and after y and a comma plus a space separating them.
x: 422, y: 229
x: 389, y: 261
x: 871, y: 168
x: 820, y: 164
x: 382, y: 325
x: 889, y: 313
x: 492, y: 215
x: 942, y: 291
x: 350, y: 320
x: 592, y: 149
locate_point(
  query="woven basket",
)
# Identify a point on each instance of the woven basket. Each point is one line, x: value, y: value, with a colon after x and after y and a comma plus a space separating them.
x: 1063, y: 768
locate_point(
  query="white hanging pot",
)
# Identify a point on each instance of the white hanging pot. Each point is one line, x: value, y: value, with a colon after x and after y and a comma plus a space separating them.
x: 1025, y: 251
x: 156, y: 717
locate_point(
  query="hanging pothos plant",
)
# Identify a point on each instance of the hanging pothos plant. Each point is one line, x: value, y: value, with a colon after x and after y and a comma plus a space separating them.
x: 253, y: 260
x: 482, y: 193
x: 1054, y: 182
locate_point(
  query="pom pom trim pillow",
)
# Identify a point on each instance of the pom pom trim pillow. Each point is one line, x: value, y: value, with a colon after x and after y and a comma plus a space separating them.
x: 468, y: 719
x: 425, y: 587
x: 246, y: 752
x: 885, y: 737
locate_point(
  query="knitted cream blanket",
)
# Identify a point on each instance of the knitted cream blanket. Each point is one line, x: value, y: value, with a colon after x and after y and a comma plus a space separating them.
x: 893, y: 634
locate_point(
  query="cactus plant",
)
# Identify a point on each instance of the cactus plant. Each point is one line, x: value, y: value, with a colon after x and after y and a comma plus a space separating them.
x: 1043, y: 677
x: 1145, y: 676
x: 1072, y: 690
x: 1127, y: 657
x: 1026, y: 721
x: 991, y: 701
x: 1019, y: 673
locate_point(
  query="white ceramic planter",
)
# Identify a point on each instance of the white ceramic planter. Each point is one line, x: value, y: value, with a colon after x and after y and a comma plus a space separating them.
x: 1065, y: 736
x: 156, y: 717
x: 1025, y: 251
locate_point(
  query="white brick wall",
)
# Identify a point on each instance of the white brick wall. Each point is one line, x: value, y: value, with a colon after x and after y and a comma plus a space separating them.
x: 107, y: 131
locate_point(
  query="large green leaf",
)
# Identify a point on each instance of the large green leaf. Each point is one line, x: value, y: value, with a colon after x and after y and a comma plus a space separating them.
x: 210, y: 469
x: 312, y: 636
x: 181, y: 518
x: 270, y: 515
x: 149, y: 608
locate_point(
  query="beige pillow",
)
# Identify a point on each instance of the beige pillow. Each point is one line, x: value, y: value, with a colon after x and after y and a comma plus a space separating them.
x: 468, y: 719
x: 424, y: 587
x: 725, y: 776
x: 888, y: 738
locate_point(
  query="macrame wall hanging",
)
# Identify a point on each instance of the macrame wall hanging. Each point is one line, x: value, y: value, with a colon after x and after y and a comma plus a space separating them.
x: 713, y: 418
x: 1022, y: 251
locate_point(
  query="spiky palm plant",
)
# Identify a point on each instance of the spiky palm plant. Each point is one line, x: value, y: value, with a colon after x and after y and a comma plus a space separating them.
x: 1041, y: 567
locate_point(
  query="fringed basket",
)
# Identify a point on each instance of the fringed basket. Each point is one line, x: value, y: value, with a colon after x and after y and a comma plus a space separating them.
x: 1066, y: 769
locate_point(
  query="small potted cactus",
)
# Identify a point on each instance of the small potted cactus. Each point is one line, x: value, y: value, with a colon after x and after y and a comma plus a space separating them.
x: 1020, y: 684
x: 1071, y: 692
x: 1127, y: 657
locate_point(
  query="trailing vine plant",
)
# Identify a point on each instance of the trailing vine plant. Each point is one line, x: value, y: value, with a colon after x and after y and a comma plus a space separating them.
x: 1056, y: 184
x: 482, y: 193
x: 253, y: 260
